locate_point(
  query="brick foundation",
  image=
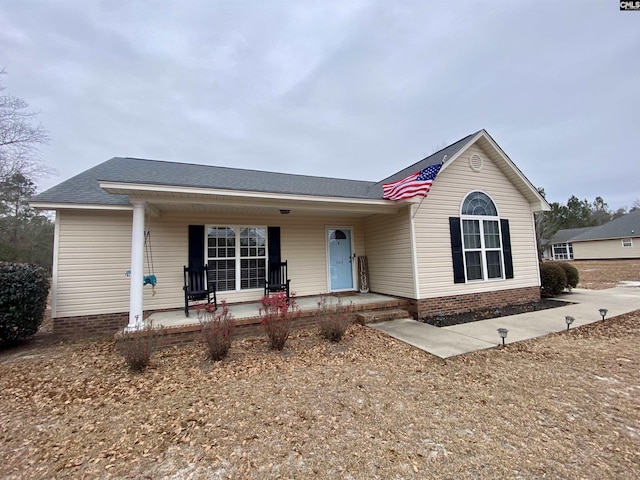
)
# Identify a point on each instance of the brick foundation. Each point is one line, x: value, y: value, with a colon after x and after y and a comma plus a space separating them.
x: 452, y: 305
x: 86, y: 326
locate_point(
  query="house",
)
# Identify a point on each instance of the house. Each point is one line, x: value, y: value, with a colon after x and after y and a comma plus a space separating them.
x: 560, y: 246
x: 619, y: 238
x: 470, y: 244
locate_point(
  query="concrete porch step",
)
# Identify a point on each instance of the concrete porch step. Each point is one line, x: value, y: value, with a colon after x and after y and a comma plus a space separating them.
x: 373, y: 316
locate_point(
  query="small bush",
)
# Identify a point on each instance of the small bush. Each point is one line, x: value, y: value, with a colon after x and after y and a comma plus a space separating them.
x: 277, y: 318
x: 217, y: 329
x: 23, y: 300
x: 334, y: 320
x: 573, y: 277
x: 137, y: 346
x: 552, y: 278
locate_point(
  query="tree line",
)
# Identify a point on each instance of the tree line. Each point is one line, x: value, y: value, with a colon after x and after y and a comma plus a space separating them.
x: 26, y: 234
x: 575, y: 214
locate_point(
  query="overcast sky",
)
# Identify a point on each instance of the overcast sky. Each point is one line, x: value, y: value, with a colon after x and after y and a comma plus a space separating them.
x: 350, y: 89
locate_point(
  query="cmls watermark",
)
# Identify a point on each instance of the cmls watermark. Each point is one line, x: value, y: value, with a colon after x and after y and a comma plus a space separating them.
x: 630, y: 5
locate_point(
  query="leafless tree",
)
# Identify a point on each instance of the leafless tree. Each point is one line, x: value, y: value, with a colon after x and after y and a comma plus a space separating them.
x: 20, y: 136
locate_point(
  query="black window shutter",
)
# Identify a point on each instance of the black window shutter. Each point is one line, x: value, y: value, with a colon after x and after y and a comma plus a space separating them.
x: 196, y: 246
x: 456, y: 250
x: 273, y: 234
x: 506, y: 248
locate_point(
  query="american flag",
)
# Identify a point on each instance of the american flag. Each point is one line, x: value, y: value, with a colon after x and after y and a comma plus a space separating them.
x: 417, y: 184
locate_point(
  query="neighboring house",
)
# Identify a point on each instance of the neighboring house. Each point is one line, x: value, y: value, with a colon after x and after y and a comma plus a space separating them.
x: 560, y: 246
x: 619, y: 238
x: 470, y: 244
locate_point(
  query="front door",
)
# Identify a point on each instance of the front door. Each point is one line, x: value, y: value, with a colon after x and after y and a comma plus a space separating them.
x: 340, y: 259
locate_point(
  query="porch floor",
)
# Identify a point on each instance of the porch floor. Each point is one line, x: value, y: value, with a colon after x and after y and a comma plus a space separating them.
x: 248, y: 313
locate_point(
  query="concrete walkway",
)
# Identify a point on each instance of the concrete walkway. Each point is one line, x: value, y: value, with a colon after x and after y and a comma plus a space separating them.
x: 447, y: 342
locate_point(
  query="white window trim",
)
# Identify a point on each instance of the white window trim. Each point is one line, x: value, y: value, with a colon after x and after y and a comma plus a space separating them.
x: 237, y: 257
x: 568, y: 248
x: 629, y: 244
x: 483, y: 250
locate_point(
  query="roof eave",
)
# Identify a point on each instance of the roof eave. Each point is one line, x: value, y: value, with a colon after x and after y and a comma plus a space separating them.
x: 163, y: 194
x: 77, y: 206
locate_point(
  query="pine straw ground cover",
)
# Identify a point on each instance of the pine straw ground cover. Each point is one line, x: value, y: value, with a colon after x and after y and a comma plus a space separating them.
x: 563, y: 406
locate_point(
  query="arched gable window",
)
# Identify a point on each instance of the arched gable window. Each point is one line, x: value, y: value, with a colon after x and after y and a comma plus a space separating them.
x: 480, y: 241
x: 479, y: 203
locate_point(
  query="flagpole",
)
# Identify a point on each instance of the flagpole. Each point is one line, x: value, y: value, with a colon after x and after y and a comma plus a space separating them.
x: 416, y: 212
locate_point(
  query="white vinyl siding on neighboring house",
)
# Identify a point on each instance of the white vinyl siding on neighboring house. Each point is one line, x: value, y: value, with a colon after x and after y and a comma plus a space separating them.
x: 604, y: 249
x: 433, y: 239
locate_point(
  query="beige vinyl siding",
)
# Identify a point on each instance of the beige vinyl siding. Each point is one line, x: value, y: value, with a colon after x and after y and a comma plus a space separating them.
x: 93, y: 257
x: 85, y: 273
x: 433, y: 241
x: 388, y: 243
x: 303, y: 245
x: 600, y: 249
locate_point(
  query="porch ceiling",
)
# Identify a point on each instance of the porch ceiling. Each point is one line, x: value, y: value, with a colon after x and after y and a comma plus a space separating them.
x: 189, y: 200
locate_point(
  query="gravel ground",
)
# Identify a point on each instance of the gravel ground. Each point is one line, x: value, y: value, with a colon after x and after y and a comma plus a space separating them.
x: 562, y: 406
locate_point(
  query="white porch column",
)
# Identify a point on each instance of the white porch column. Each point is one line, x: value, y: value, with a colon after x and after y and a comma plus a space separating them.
x: 137, y: 267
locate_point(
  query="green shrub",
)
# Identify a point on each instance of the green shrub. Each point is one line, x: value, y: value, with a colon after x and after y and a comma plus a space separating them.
x: 573, y: 277
x: 217, y: 329
x: 137, y: 346
x: 333, y: 320
x: 552, y: 278
x: 23, y: 300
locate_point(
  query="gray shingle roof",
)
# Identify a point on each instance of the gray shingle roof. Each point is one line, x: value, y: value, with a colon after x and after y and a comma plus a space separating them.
x: 434, y: 158
x: 84, y: 188
x: 567, y: 234
x: 623, y: 227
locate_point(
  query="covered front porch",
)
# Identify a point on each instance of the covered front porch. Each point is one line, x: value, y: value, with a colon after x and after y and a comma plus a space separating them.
x: 188, y: 226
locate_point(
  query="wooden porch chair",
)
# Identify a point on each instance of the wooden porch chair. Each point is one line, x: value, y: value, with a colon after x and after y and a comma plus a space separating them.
x: 198, y: 287
x: 277, y: 279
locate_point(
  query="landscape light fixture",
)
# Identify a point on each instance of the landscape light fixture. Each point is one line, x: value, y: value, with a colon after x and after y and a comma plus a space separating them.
x: 569, y: 319
x: 603, y: 312
x: 503, y: 334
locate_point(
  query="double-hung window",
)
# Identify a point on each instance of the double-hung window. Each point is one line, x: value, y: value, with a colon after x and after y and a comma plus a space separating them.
x: 237, y: 257
x: 481, y: 238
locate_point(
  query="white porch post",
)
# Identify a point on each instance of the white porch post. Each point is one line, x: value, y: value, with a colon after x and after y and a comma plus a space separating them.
x: 137, y: 267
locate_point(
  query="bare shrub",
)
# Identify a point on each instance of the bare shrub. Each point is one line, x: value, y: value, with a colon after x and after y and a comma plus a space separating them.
x: 137, y: 346
x: 334, y: 319
x: 218, y: 326
x: 277, y: 315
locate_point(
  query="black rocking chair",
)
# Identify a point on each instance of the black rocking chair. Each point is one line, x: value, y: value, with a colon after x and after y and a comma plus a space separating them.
x: 277, y: 279
x: 198, y: 287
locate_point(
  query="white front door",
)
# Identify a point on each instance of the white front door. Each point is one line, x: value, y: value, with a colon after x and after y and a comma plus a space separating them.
x: 340, y: 259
